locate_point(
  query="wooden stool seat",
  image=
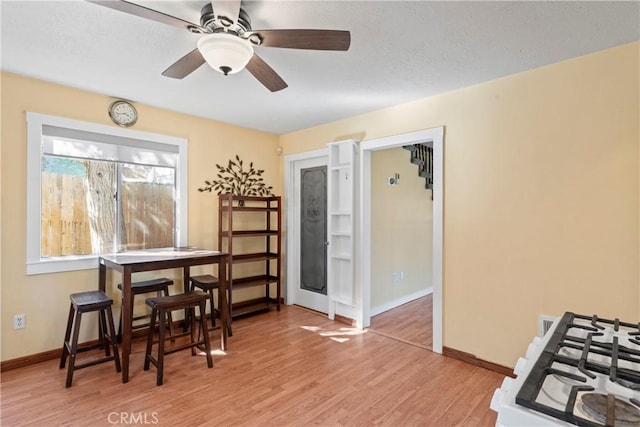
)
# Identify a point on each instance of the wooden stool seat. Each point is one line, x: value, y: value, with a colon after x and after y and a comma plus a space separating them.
x: 206, y: 281
x: 160, y: 307
x: 85, y: 302
x: 161, y: 287
x: 148, y: 286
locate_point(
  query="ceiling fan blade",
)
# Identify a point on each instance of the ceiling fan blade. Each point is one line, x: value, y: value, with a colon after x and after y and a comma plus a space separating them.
x: 226, y: 11
x: 265, y: 74
x: 304, y: 39
x: 145, y: 12
x: 185, y: 65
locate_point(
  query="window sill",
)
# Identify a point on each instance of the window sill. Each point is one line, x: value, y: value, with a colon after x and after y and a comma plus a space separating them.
x: 62, y: 264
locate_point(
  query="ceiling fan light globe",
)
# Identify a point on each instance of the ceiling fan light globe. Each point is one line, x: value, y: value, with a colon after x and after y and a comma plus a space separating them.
x: 224, y: 52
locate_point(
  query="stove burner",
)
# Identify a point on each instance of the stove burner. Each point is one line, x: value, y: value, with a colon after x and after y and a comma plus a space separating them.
x: 622, y: 413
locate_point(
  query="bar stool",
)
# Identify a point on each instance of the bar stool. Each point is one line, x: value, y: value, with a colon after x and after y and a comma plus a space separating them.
x: 160, y: 307
x: 207, y: 283
x: 85, y: 302
x: 160, y: 286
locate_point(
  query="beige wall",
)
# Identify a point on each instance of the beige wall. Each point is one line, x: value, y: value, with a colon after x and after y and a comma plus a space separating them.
x: 541, y: 193
x: 402, y: 225
x: 541, y: 196
x: 45, y: 298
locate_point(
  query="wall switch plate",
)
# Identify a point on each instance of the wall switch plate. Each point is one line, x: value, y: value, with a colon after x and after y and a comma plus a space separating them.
x: 394, y: 277
x: 19, y: 321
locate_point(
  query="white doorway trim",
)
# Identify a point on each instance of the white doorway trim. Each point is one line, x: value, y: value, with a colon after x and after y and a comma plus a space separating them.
x: 292, y: 239
x: 435, y: 135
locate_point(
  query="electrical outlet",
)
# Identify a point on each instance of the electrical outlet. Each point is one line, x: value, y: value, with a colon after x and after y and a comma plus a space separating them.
x: 402, y: 275
x: 19, y: 321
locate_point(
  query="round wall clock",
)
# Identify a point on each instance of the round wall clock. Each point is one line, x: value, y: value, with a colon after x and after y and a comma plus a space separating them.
x: 123, y: 113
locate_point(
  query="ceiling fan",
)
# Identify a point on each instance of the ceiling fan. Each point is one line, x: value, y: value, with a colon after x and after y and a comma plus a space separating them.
x: 228, y: 40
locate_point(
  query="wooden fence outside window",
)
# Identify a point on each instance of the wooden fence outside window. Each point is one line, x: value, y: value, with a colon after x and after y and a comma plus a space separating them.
x: 147, y: 216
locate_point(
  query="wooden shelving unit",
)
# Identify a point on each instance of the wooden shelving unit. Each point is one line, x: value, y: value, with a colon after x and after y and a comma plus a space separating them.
x: 234, y: 213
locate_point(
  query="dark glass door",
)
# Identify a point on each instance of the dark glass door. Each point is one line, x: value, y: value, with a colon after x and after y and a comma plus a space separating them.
x: 313, y: 229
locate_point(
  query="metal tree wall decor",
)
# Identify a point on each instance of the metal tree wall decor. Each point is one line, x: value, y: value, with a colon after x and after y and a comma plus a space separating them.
x: 234, y: 179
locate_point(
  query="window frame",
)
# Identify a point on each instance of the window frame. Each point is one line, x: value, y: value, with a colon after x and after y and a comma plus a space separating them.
x: 35, y: 123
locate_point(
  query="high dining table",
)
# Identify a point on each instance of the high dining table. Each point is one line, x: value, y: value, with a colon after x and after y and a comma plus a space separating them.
x: 136, y: 261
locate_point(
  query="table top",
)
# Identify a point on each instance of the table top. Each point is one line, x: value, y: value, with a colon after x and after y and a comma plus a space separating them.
x: 159, y: 255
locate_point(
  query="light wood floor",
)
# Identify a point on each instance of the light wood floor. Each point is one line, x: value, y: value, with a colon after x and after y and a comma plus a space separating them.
x: 289, y: 368
x: 411, y: 322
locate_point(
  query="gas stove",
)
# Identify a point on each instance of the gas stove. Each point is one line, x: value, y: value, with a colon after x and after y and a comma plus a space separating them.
x: 585, y: 371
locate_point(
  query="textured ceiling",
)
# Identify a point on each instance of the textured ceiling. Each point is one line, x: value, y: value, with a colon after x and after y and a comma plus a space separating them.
x: 400, y: 51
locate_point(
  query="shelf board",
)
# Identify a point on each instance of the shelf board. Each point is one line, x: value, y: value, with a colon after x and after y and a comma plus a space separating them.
x: 341, y: 256
x: 250, y: 233
x: 248, y: 307
x: 250, y: 209
x: 343, y: 213
x: 251, y: 203
x: 252, y: 281
x: 261, y: 256
x: 341, y: 234
x: 249, y: 198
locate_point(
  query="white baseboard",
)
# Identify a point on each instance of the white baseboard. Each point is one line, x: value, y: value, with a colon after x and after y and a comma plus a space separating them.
x: 398, y: 302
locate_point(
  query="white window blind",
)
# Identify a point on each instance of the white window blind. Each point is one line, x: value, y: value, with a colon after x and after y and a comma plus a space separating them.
x: 91, y: 145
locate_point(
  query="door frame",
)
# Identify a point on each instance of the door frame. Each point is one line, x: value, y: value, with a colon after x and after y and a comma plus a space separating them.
x: 436, y: 136
x: 292, y: 240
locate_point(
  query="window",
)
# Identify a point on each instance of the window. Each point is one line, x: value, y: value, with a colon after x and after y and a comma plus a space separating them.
x: 94, y: 189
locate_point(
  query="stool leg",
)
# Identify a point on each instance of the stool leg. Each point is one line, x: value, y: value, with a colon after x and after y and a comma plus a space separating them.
x: 112, y: 339
x: 162, y: 326
x: 203, y: 327
x: 169, y: 317
x: 73, y: 351
x: 170, y: 323
x: 188, y: 287
x: 102, y: 332
x: 152, y: 327
x: 192, y: 310
x: 67, y: 335
x: 213, y: 308
x: 220, y: 296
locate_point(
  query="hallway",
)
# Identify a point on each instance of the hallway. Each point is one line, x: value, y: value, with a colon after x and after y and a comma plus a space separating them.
x: 411, y: 323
